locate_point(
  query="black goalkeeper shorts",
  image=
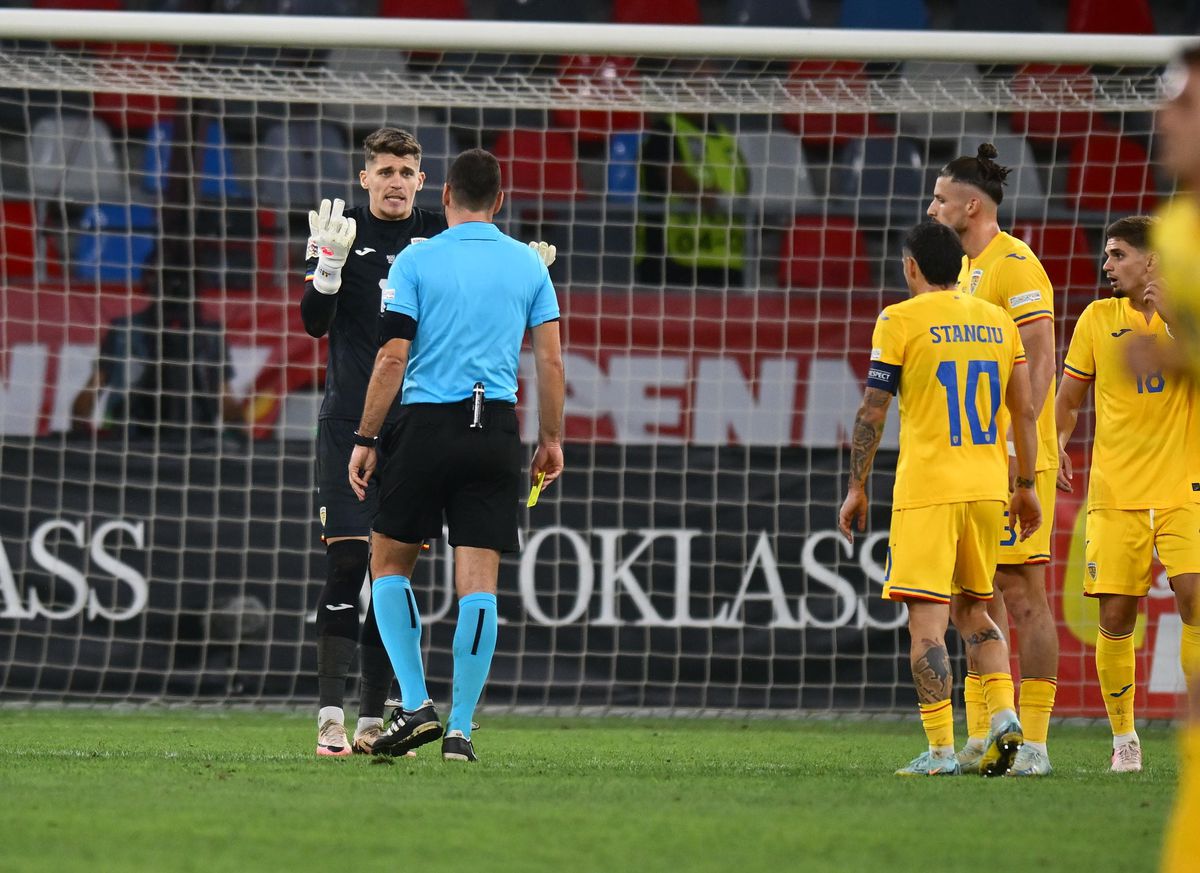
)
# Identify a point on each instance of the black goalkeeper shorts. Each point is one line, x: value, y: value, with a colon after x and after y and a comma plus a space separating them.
x: 340, y: 511
x: 440, y: 470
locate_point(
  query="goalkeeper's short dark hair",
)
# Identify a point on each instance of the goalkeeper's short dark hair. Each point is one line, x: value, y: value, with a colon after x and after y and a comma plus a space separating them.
x: 982, y: 171
x: 474, y: 180
x: 390, y: 141
x: 937, y: 251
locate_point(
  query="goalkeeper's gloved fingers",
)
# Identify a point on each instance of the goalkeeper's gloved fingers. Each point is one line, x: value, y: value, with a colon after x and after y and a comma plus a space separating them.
x: 544, y: 250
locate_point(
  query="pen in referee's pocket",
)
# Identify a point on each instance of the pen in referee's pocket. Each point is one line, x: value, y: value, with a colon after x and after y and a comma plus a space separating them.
x: 477, y: 405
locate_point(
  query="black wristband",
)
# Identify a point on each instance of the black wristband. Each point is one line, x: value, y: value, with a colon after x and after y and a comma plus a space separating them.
x: 366, y: 441
x: 1026, y: 483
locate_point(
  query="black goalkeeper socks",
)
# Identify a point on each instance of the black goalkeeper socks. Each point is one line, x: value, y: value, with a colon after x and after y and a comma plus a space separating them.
x: 334, y: 655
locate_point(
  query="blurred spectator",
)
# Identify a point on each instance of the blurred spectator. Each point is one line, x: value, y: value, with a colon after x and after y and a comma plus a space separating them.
x: 162, y: 371
x: 691, y: 234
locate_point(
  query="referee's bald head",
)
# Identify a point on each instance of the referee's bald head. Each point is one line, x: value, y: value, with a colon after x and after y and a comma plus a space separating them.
x: 474, y: 180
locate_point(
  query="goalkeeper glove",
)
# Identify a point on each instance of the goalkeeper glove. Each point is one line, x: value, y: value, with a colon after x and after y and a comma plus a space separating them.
x: 545, y: 251
x: 331, y: 234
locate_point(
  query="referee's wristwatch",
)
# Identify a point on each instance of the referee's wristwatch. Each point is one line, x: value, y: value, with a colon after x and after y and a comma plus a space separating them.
x: 369, y: 442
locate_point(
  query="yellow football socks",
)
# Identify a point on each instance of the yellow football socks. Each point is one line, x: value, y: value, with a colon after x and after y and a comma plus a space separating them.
x: 977, y: 711
x: 1189, y: 650
x: 1116, y: 669
x: 938, y: 721
x: 1037, y: 702
x: 1183, y: 837
x: 998, y: 692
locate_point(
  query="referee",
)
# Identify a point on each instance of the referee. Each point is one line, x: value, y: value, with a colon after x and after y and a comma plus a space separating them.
x: 456, y: 309
x: 348, y: 258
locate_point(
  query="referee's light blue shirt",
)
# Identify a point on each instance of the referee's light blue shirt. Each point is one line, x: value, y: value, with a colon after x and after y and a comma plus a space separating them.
x: 473, y: 292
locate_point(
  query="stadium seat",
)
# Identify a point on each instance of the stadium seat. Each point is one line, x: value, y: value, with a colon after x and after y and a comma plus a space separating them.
x: 217, y: 176
x: 444, y: 9
x: 129, y: 112
x: 300, y: 162
x: 156, y: 157
x: 656, y: 12
x: 883, y: 177
x: 81, y: 5
x: 604, y: 77
x: 1022, y: 16
x: 109, y: 246
x: 824, y: 253
x: 939, y: 77
x: 1109, y: 173
x: 825, y: 81
x: 623, y: 168
x: 767, y: 13
x: 884, y: 14
x: 1063, y: 248
x: 438, y: 149
x: 538, y: 163
x: 361, y: 64
x: 541, y: 10
x: 1035, y: 80
x: 18, y: 239
x: 1024, y: 192
x: 73, y: 157
x: 1105, y: 16
x: 779, y: 176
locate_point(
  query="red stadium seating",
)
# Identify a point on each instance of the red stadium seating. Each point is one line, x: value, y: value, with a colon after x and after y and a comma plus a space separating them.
x: 656, y: 12
x: 83, y: 5
x: 127, y: 111
x: 1110, y: 173
x: 1063, y: 248
x: 1107, y: 16
x: 450, y: 9
x: 819, y: 128
x: 828, y: 254
x: 596, y: 74
x: 538, y: 163
x: 18, y: 238
x: 1030, y: 81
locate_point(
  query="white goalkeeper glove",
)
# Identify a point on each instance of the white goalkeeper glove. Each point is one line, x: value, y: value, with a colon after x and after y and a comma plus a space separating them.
x: 545, y: 251
x: 330, y: 234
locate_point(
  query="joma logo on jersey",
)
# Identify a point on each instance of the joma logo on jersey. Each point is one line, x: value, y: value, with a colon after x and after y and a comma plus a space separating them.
x: 976, y: 275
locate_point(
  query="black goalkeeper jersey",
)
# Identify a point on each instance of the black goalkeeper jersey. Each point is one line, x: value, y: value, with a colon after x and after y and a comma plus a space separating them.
x: 351, y: 316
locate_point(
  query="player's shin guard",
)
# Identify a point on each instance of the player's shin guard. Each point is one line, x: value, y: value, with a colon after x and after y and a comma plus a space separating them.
x: 1189, y: 651
x: 938, y: 721
x: 337, y: 618
x: 474, y: 645
x: 400, y: 627
x: 977, y: 711
x: 998, y: 693
x: 375, y: 673
x: 1037, y: 702
x: 1116, y: 668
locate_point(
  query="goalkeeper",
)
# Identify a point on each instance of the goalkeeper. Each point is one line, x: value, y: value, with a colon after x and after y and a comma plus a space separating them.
x: 347, y: 262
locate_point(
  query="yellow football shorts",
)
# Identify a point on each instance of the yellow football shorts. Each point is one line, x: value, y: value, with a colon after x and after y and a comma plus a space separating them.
x: 949, y: 548
x: 1036, y: 549
x: 1121, y: 544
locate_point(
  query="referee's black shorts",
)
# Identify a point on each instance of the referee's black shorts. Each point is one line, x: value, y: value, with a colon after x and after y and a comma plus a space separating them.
x: 341, y: 513
x: 439, y: 467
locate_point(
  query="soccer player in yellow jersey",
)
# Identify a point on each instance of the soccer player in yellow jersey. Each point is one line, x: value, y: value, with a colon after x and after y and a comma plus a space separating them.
x: 1140, y: 489
x: 1001, y: 269
x: 1177, y: 240
x: 954, y: 360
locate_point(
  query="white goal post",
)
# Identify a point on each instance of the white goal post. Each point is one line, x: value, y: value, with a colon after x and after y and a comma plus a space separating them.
x: 689, y: 559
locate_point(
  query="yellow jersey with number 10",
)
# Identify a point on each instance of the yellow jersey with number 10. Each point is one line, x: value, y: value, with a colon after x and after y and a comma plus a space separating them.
x: 1008, y: 274
x: 950, y: 356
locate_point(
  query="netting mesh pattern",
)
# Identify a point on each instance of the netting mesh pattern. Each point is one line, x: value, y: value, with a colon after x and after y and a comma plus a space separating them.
x: 688, y: 559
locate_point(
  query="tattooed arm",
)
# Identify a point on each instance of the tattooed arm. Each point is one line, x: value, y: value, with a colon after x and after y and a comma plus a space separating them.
x: 868, y: 431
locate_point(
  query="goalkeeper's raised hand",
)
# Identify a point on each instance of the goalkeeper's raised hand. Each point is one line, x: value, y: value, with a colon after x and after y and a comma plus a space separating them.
x: 545, y: 251
x: 332, y: 234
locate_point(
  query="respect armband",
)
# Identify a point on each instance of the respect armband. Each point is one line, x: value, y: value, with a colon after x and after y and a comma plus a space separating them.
x: 885, y: 377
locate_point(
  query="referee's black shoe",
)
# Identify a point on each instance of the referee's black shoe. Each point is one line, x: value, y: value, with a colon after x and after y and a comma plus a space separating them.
x: 456, y: 747
x: 408, y: 730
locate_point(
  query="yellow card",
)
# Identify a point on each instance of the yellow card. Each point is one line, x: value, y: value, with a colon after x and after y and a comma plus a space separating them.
x: 536, y: 491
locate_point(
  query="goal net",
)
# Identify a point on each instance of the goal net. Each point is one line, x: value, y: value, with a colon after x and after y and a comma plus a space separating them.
x: 727, y: 226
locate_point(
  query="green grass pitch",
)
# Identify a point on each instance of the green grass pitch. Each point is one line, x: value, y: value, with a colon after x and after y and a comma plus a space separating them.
x: 101, y: 790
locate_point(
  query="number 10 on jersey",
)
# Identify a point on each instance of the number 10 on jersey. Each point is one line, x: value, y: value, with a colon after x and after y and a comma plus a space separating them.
x: 956, y: 401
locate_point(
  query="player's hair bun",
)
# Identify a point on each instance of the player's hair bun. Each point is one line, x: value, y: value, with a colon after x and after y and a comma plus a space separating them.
x: 986, y: 154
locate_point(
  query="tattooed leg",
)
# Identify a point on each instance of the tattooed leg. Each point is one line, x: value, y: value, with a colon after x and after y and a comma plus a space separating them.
x: 987, y: 650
